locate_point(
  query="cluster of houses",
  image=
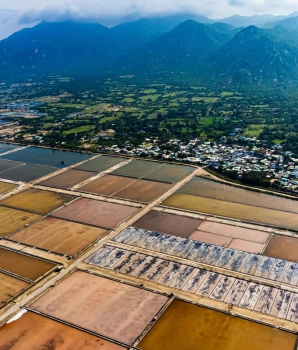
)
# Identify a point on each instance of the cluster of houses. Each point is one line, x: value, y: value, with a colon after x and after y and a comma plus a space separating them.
x: 274, y: 162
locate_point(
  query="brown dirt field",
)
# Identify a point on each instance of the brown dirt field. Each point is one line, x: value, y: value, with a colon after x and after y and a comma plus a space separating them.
x: 250, y: 247
x: 143, y: 191
x: 97, y: 213
x: 5, y: 187
x: 101, y: 163
x: 211, y: 238
x: 68, y: 179
x: 9, y: 287
x: 107, y: 185
x: 225, y: 241
x: 185, y: 326
x: 58, y: 236
x: 170, y: 173
x: 23, y: 265
x: 33, y: 331
x: 234, y: 232
x: 41, y: 202
x: 110, y: 308
x: 233, y: 210
x: 170, y: 224
x: 13, y: 219
x: 282, y: 247
x: 212, y: 189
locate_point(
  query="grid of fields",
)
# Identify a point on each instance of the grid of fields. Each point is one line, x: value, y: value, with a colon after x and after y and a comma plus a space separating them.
x: 104, y: 252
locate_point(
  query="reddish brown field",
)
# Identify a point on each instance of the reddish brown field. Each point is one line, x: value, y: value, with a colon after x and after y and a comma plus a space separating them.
x: 143, y: 191
x: 33, y: 331
x: 9, y: 287
x: 171, y: 224
x: 23, y: 265
x: 58, y: 236
x: 110, y: 308
x: 97, y: 213
x: 282, y: 247
x: 107, y: 185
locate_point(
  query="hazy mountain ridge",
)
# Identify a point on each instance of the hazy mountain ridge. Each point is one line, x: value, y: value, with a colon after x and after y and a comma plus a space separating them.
x: 210, y: 51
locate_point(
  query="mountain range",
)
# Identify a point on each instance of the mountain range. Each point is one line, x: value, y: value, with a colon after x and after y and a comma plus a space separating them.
x: 191, y: 46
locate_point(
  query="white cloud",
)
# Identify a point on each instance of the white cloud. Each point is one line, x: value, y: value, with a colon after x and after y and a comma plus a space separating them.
x: 110, y: 12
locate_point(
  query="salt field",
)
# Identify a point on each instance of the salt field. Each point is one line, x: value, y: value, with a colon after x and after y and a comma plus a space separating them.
x: 41, y: 202
x: 104, y: 252
x: 47, y: 157
x: 59, y: 236
x: 96, y: 213
x: 68, y: 179
x: 103, y: 306
x: 186, y: 326
x: 101, y: 163
x: 35, y: 331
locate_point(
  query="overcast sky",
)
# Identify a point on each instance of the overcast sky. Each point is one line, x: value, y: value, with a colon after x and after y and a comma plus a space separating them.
x: 16, y: 14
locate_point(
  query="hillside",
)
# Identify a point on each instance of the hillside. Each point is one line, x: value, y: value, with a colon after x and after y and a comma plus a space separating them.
x: 254, y: 56
x: 211, y: 52
x: 181, y: 48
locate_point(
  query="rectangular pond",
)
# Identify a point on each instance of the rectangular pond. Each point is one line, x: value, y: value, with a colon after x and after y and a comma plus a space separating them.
x: 233, y: 210
x: 38, y: 201
x: 68, y: 179
x: 13, y: 219
x: 107, y: 307
x: 97, y: 213
x: 101, y: 163
x: 171, y: 224
x: 6, y: 147
x: 27, y: 172
x: 33, y: 331
x: 6, y: 187
x: 171, y: 173
x: 185, y: 326
x: 107, y: 185
x: 23, y: 265
x: 9, y: 288
x: 217, y: 190
x: 47, y: 157
x: 58, y: 236
x: 143, y: 191
x: 137, y: 168
x: 283, y: 247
